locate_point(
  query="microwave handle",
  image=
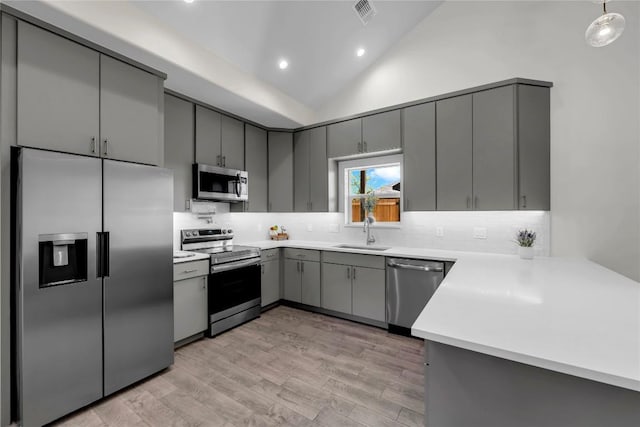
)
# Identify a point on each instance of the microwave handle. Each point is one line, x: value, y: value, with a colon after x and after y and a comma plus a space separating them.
x: 238, y: 186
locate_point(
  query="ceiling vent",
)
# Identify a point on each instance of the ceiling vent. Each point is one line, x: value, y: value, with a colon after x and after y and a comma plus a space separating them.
x: 365, y: 10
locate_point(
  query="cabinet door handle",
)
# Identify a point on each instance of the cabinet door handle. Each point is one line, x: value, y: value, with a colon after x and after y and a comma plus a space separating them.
x: 298, y: 266
x: 204, y: 282
x: 224, y: 161
x: 218, y: 160
x: 475, y: 202
x: 524, y: 201
x: 366, y: 149
x: 106, y: 147
x: 348, y: 272
x: 262, y: 268
x: 93, y: 145
x: 302, y: 267
x: 468, y: 202
x: 354, y: 273
x: 190, y: 271
x: 359, y: 147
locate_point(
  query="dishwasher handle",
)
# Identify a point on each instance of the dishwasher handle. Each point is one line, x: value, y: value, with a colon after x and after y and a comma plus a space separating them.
x: 415, y: 267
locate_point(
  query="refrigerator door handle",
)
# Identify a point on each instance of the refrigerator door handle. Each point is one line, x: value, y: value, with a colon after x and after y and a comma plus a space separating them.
x: 99, y: 254
x: 102, y: 258
x: 105, y: 254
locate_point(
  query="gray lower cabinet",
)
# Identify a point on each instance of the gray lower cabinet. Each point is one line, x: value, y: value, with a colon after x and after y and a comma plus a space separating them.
x: 381, y: 132
x: 302, y: 276
x: 354, y: 284
x: 130, y: 113
x: 189, y: 299
x: 280, y: 172
x: 208, y: 135
x: 270, y: 282
x: 310, y: 283
x: 73, y: 99
x: 419, y: 130
x: 311, y: 184
x: 454, y: 157
x: 344, y: 138
x: 58, y: 92
x: 178, y: 148
x: 336, y: 287
x: 369, y: 293
x: 292, y: 284
x: 494, y: 145
x: 232, y: 143
x: 302, y: 281
x: 257, y: 167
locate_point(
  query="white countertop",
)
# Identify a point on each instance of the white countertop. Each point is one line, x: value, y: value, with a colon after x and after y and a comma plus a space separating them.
x: 192, y: 256
x: 567, y: 315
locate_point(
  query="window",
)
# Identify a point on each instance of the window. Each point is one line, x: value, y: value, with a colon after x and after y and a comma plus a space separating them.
x: 372, y: 186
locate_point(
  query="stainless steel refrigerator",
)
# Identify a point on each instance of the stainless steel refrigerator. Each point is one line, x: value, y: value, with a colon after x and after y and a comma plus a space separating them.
x: 93, y: 276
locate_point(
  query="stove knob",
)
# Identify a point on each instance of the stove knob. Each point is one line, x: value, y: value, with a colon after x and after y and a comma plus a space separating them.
x: 195, y: 234
x: 224, y: 231
x: 188, y: 234
x: 229, y: 231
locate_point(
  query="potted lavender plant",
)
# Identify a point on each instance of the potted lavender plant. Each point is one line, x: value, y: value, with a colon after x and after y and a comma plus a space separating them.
x: 525, y: 239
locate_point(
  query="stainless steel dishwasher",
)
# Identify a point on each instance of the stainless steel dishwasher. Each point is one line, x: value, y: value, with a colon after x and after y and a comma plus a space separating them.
x: 410, y: 285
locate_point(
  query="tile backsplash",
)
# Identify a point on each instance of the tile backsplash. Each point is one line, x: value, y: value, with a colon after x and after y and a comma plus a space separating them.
x: 418, y: 229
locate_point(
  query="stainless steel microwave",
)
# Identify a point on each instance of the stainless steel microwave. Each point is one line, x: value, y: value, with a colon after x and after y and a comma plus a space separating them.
x: 220, y: 184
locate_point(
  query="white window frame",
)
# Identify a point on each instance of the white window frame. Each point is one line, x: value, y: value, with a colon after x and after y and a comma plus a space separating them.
x: 343, y: 186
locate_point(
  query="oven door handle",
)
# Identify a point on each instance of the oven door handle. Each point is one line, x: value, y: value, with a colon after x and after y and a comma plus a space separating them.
x: 234, y: 265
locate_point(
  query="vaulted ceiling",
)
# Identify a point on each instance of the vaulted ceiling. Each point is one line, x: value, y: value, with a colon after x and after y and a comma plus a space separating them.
x: 226, y: 53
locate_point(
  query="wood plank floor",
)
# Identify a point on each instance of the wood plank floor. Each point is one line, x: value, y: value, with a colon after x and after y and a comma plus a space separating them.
x: 287, y: 368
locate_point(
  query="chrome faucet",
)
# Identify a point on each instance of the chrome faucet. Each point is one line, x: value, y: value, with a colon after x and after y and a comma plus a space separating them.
x: 368, y: 220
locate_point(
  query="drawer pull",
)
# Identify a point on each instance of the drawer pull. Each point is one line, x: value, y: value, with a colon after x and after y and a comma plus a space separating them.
x: 190, y: 271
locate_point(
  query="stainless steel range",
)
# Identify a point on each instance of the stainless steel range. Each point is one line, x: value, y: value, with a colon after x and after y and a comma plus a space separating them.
x: 234, y: 279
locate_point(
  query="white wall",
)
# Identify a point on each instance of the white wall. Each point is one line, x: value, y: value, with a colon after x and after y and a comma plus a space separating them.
x: 595, y: 105
x: 418, y: 229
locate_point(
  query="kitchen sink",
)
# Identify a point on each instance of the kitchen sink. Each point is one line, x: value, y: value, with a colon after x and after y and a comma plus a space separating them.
x: 363, y: 247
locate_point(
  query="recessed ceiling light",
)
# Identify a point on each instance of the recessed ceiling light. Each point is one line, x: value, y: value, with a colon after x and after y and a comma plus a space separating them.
x: 360, y: 51
x: 283, y: 64
x: 188, y: 1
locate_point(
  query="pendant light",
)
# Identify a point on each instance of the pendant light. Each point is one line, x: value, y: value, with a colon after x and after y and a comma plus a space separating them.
x: 605, y: 29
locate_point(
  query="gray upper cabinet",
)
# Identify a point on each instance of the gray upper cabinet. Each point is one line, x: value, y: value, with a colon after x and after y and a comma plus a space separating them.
x: 344, y: 138
x: 256, y: 165
x: 381, y: 132
x: 208, y: 135
x: 301, y: 171
x: 178, y: 148
x: 318, y: 171
x: 494, y: 149
x: 58, y: 92
x: 75, y: 100
x: 311, y: 185
x: 419, y: 130
x: 219, y: 139
x: 533, y: 147
x: 130, y: 116
x: 232, y: 140
x: 454, y: 157
x: 280, y: 172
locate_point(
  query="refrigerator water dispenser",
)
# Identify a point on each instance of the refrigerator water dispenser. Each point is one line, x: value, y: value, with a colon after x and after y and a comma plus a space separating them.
x: 62, y: 258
